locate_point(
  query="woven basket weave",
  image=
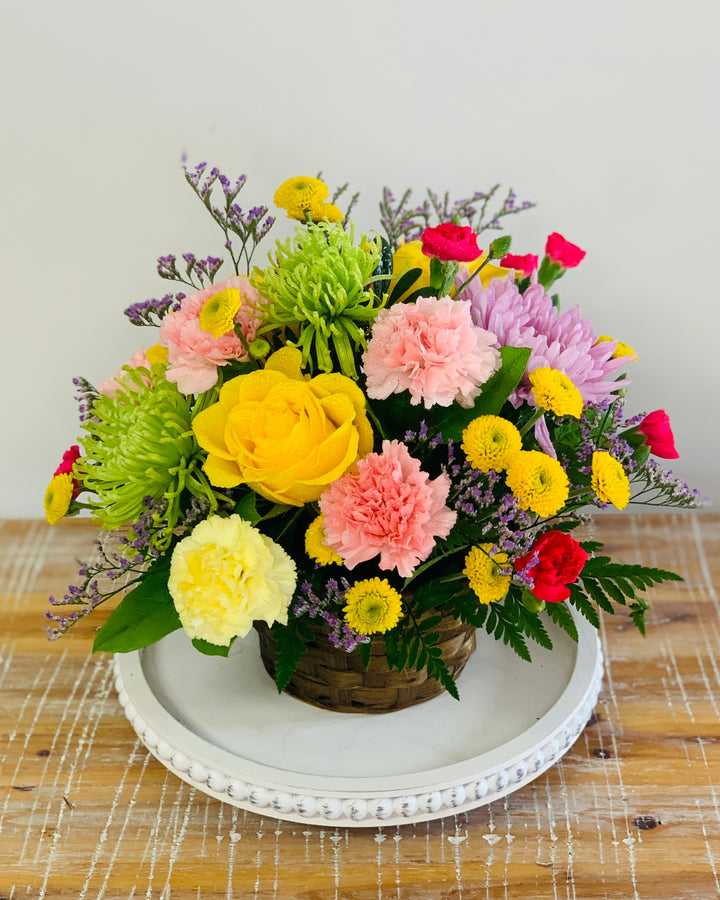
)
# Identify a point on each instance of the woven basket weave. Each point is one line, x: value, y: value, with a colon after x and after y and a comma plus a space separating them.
x: 335, y: 680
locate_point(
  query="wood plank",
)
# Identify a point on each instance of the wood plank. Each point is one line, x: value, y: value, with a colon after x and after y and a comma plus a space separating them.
x: 632, y: 811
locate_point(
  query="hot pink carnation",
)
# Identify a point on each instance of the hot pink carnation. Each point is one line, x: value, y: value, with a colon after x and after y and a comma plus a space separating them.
x: 432, y: 349
x: 111, y: 386
x: 388, y: 507
x: 194, y: 354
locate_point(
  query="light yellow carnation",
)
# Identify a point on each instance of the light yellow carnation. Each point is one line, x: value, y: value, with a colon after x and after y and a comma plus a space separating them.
x: 609, y: 481
x: 285, y: 436
x: 225, y: 575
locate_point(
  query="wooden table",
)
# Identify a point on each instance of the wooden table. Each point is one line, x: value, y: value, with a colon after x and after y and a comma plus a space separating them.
x: 632, y: 811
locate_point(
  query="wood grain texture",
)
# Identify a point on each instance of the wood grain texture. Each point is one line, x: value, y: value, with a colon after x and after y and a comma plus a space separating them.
x: 632, y: 811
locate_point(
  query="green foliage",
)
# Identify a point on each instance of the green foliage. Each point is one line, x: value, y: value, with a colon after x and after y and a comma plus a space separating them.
x: 605, y: 584
x: 291, y: 642
x: 142, y: 617
x: 212, y: 649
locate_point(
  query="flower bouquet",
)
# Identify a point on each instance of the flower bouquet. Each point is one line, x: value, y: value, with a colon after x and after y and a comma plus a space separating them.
x: 369, y: 448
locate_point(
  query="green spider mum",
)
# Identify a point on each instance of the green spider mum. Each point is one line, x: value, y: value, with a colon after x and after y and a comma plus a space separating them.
x: 317, y: 285
x: 140, y: 443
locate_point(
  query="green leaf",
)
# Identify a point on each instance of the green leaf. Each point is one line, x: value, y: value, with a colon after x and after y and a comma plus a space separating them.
x: 560, y: 614
x: 142, y: 617
x: 452, y: 421
x: 365, y: 651
x: 290, y: 647
x: 597, y: 594
x: 404, y: 283
x: 499, y: 247
x: 246, y: 508
x: 211, y: 649
x: 583, y: 605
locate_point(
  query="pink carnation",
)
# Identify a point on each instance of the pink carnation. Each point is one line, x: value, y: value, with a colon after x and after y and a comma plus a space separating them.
x: 432, y: 349
x: 111, y: 386
x: 389, y: 507
x: 194, y: 354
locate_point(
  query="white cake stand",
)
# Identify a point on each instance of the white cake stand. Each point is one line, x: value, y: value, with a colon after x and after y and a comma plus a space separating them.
x: 220, y: 725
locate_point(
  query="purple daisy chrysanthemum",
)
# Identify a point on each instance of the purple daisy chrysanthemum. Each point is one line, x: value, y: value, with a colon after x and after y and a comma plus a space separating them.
x: 560, y: 340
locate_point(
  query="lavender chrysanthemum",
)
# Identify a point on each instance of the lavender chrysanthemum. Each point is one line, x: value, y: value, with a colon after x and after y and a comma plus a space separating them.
x: 563, y: 341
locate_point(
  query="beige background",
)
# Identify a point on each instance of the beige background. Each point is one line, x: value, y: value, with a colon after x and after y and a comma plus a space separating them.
x: 605, y: 114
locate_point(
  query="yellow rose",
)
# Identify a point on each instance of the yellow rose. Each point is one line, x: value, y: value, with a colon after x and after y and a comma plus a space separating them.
x: 410, y: 256
x: 284, y: 436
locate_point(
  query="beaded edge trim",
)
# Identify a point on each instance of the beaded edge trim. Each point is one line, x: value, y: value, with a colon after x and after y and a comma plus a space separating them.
x: 356, y: 810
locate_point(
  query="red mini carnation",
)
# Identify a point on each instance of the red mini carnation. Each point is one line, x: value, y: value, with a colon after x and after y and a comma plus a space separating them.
x: 658, y: 434
x: 560, y: 560
x: 69, y: 459
x: 561, y: 251
x: 525, y: 264
x: 451, y: 243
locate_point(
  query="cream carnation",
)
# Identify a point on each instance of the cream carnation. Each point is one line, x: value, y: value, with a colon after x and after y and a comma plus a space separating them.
x: 193, y: 353
x: 389, y: 507
x: 431, y: 349
x: 225, y: 575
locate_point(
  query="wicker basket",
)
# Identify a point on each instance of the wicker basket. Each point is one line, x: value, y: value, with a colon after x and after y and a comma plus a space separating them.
x: 335, y: 680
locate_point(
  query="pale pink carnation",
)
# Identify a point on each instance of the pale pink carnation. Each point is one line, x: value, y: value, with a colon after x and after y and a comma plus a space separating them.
x: 432, y: 349
x: 388, y: 507
x: 193, y: 354
x: 112, y: 385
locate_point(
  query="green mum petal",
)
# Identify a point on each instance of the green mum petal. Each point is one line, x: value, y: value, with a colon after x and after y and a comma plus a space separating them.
x: 318, y: 283
x: 140, y: 443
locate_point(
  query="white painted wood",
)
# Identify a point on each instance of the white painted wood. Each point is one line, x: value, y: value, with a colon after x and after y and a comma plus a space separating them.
x: 220, y: 725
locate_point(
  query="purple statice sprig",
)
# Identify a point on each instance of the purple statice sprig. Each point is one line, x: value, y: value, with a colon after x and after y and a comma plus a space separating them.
x: 249, y: 228
x: 328, y: 608
x: 403, y: 222
x: 120, y: 561
x: 197, y: 272
x: 661, y: 487
x: 351, y: 205
x: 86, y: 397
x: 152, y: 312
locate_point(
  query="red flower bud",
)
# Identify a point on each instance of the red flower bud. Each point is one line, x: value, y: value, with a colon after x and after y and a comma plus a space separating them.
x: 525, y: 264
x: 658, y: 434
x: 560, y: 560
x: 66, y: 466
x: 451, y: 243
x: 561, y: 251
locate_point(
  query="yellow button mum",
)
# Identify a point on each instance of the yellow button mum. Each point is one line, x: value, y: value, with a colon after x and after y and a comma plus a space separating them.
x: 315, y: 545
x: 483, y: 571
x: 490, y: 442
x: 372, y: 606
x: 621, y: 350
x: 284, y: 436
x: 58, y: 497
x: 218, y: 314
x: 303, y: 193
x: 555, y: 392
x: 539, y: 482
x: 609, y: 481
x: 225, y: 575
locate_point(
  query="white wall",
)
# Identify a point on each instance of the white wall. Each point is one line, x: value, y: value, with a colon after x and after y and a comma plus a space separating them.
x: 606, y: 114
